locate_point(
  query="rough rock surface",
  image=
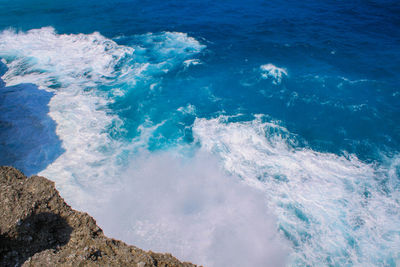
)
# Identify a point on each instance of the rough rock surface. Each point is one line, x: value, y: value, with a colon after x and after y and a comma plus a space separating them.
x: 37, y: 228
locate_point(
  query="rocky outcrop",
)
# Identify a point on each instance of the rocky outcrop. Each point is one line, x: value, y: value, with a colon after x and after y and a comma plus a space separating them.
x: 37, y: 228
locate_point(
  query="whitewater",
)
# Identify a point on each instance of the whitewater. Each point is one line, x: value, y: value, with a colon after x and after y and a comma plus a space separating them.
x: 220, y: 158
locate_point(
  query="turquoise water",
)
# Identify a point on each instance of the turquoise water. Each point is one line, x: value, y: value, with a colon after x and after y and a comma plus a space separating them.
x: 265, y: 128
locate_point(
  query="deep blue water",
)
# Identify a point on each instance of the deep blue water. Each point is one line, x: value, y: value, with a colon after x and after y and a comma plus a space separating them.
x: 298, y: 99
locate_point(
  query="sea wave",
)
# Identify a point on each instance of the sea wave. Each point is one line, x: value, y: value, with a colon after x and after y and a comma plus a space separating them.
x: 85, y: 72
x: 336, y: 210
x: 270, y: 71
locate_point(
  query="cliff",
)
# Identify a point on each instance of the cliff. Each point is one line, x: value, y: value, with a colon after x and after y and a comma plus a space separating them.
x: 37, y: 228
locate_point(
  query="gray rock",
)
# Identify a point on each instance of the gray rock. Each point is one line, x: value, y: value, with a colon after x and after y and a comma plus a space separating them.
x: 37, y: 228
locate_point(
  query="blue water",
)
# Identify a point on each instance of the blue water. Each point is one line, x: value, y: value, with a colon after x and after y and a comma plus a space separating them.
x: 300, y: 100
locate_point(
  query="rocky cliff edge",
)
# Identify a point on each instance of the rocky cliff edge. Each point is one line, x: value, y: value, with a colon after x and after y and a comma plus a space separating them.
x: 37, y: 228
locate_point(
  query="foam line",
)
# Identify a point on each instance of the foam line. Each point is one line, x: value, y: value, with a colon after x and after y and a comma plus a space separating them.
x: 74, y: 67
x: 326, y: 204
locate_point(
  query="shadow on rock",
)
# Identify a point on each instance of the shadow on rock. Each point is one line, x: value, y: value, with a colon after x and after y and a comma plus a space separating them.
x: 33, y: 234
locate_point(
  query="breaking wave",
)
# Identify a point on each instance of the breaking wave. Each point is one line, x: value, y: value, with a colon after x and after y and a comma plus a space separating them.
x: 336, y: 210
x: 225, y: 198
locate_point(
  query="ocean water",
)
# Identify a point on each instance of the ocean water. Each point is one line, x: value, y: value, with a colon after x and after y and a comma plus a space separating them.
x: 230, y: 133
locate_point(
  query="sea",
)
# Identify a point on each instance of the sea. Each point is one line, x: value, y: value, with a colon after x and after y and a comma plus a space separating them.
x: 228, y: 133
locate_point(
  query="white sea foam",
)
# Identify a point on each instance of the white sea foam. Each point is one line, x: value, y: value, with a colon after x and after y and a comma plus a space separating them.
x: 326, y: 204
x: 161, y: 203
x: 69, y: 66
x: 187, y: 63
x: 188, y: 109
x: 270, y: 71
x: 164, y: 203
x: 188, y: 207
x: 73, y: 66
x: 46, y: 58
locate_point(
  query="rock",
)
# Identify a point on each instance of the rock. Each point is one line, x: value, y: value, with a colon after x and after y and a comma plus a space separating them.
x: 37, y: 228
